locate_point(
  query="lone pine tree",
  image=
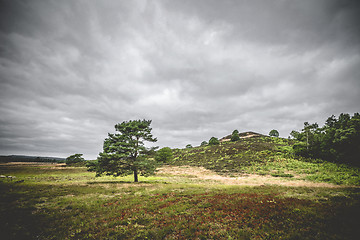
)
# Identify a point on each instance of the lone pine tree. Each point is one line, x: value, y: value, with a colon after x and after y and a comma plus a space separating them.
x: 124, y: 152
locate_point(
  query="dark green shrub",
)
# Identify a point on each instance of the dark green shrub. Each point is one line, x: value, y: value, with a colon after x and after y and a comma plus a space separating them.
x: 164, y: 155
x: 214, y: 141
x: 300, y: 149
x: 74, y: 159
x: 235, y: 136
x: 274, y: 133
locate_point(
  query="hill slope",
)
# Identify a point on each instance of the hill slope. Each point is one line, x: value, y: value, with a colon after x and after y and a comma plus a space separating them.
x: 265, y: 156
x: 23, y: 158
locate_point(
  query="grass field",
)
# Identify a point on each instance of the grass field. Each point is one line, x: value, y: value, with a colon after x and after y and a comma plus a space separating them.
x: 50, y: 201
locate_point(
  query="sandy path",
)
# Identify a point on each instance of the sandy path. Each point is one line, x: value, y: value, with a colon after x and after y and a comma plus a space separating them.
x: 246, y: 179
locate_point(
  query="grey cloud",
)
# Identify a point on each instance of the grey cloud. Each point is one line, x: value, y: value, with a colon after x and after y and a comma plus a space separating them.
x: 71, y: 70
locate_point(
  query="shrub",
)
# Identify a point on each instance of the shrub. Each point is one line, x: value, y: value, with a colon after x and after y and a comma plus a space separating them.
x: 274, y: 133
x: 76, y: 158
x: 204, y: 143
x: 300, y: 149
x: 189, y: 146
x: 235, y: 136
x: 214, y: 141
x: 164, y: 155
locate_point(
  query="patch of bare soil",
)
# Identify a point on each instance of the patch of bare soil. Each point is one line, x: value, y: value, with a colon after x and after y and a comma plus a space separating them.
x: 245, y: 179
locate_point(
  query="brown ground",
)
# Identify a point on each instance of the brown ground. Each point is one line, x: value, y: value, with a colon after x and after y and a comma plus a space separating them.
x: 246, y: 179
x: 200, y: 173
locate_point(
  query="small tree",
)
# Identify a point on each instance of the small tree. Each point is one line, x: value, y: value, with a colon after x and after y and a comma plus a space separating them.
x: 274, y: 133
x: 203, y: 143
x: 125, y: 153
x: 214, y: 141
x: 189, y: 146
x: 75, y: 158
x: 164, y: 155
x: 235, y: 136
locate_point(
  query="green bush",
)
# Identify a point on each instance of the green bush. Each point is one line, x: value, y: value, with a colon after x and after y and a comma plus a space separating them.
x: 235, y: 136
x: 300, y: 149
x: 74, y: 159
x: 214, y: 141
x: 164, y: 155
x: 274, y: 133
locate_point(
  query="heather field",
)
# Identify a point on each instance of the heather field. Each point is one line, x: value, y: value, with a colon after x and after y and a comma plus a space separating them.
x: 52, y: 201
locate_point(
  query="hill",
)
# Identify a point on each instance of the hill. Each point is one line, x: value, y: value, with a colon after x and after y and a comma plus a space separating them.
x: 23, y: 158
x: 264, y: 155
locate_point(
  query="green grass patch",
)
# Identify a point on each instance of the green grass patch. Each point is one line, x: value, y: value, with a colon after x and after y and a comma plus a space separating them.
x: 85, y: 207
x: 266, y: 156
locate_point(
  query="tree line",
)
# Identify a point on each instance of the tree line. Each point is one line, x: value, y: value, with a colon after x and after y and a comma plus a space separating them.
x: 337, y: 141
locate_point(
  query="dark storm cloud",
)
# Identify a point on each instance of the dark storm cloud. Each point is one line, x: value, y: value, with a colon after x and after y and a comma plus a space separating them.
x: 70, y: 70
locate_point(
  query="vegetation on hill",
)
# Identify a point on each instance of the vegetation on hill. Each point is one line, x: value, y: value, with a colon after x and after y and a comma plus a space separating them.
x: 337, y: 141
x: 22, y: 158
x: 265, y: 156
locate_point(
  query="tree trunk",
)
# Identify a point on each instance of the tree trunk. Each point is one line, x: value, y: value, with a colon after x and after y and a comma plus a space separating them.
x: 136, y: 176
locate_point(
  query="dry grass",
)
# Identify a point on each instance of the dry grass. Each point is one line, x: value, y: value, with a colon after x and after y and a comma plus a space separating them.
x: 201, y: 173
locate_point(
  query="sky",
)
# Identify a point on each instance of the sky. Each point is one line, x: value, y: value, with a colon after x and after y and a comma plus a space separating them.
x: 72, y: 69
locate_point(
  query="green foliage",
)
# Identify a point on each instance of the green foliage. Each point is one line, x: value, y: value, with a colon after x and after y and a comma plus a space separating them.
x: 235, y: 136
x: 75, y: 158
x: 214, y: 141
x: 337, y: 141
x: 124, y: 152
x: 188, y: 146
x: 266, y: 156
x: 203, y: 143
x: 164, y: 155
x: 274, y: 133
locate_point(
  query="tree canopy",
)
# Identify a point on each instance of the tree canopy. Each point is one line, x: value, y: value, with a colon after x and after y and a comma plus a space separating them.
x: 274, y: 133
x: 235, y: 136
x: 214, y: 141
x: 164, y: 155
x: 338, y: 140
x: 124, y: 152
x: 75, y: 158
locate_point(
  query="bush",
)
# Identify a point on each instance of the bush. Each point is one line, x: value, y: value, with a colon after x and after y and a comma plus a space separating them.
x: 74, y: 159
x: 214, y: 141
x: 203, y: 143
x: 189, y: 146
x: 235, y: 136
x: 274, y: 133
x: 300, y: 149
x: 164, y: 155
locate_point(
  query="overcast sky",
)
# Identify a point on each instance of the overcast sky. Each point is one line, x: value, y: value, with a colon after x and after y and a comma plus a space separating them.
x: 70, y: 70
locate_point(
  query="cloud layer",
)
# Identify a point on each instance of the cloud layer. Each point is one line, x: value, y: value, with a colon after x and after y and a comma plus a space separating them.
x: 71, y: 70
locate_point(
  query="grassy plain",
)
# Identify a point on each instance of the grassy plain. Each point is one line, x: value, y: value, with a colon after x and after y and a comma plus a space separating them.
x: 180, y: 202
